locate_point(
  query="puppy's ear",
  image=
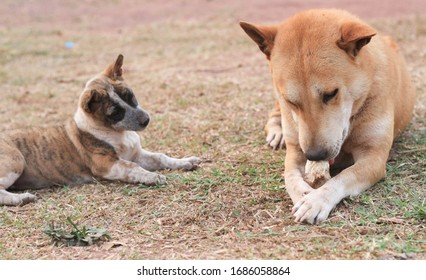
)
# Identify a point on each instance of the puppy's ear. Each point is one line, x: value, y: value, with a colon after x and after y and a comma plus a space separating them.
x: 354, y: 36
x: 263, y: 36
x: 115, y: 70
x: 91, y: 101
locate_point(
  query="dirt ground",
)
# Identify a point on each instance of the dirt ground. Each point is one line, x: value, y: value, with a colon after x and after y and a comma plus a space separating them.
x: 207, y: 88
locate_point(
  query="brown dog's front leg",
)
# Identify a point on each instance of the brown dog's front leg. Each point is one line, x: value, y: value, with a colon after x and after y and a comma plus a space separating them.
x: 294, y: 170
x: 274, y: 130
x: 317, y: 205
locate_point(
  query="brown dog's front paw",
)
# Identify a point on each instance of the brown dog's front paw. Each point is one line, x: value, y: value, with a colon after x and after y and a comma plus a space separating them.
x: 297, y: 189
x: 313, y: 208
x: 275, y: 138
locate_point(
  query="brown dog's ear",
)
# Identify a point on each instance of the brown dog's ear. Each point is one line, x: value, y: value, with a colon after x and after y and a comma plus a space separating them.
x: 91, y: 101
x: 355, y: 36
x: 264, y: 36
x: 115, y: 70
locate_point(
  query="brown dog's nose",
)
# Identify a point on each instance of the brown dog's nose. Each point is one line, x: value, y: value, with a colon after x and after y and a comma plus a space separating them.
x: 316, y: 154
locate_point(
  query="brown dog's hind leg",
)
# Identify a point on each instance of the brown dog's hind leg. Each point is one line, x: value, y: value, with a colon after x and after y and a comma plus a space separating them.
x: 273, y: 128
x: 12, y: 166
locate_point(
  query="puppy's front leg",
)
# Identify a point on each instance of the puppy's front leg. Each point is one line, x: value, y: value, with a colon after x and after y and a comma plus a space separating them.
x: 293, y: 173
x: 132, y: 173
x: 158, y: 161
x: 368, y: 169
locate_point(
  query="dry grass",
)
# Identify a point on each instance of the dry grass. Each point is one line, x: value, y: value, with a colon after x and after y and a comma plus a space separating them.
x: 208, y: 90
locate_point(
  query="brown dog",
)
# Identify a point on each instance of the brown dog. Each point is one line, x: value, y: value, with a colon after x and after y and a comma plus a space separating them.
x: 100, y: 141
x: 342, y: 94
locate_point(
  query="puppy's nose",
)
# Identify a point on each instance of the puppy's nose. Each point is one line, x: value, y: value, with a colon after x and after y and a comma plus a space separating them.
x: 145, y: 122
x: 316, y: 154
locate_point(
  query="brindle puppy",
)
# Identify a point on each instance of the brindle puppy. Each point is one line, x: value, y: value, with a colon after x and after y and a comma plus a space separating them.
x: 99, y: 142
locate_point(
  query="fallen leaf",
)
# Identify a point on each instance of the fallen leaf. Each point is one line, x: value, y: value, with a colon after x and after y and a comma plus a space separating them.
x: 393, y: 220
x: 112, y: 244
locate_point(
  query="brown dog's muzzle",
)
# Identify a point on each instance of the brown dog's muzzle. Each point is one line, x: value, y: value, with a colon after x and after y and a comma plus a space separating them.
x: 316, y: 154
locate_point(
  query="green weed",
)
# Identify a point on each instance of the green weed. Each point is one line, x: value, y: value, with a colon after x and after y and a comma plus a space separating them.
x: 83, y: 236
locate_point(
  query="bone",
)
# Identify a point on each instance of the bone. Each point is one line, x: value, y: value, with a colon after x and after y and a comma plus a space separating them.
x: 317, y: 173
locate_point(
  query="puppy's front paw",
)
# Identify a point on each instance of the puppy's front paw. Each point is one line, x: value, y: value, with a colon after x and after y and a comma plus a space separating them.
x: 313, y: 208
x: 161, y: 179
x: 153, y: 179
x: 190, y: 163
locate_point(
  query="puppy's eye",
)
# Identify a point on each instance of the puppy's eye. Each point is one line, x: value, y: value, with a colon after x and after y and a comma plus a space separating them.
x: 329, y: 95
x: 129, y: 97
x: 117, y: 114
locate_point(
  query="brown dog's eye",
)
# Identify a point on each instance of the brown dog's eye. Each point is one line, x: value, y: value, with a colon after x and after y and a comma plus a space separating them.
x: 330, y: 95
x: 294, y: 106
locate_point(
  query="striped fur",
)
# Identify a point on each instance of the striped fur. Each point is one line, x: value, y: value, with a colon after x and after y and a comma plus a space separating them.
x: 98, y: 142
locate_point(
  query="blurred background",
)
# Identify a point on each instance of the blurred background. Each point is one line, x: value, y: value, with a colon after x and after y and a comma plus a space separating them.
x: 113, y: 14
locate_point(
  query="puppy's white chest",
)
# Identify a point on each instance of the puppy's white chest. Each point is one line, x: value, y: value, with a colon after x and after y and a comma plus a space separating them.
x: 129, y: 145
